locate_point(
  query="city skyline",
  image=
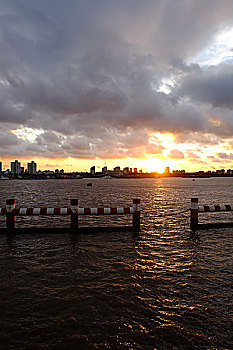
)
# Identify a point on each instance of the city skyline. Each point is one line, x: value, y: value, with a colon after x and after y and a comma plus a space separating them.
x: 142, y: 83
x: 31, y: 169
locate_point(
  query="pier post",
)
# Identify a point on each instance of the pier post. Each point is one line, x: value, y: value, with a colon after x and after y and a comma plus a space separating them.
x: 194, y: 214
x: 74, y: 216
x: 136, y: 215
x: 10, y: 218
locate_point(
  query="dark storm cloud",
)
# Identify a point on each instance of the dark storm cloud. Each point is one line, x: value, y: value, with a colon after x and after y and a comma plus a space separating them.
x: 212, y: 85
x: 8, y: 140
x: 88, y: 73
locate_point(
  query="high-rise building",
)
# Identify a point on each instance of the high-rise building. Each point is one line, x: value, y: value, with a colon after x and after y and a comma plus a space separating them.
x: 16, y: 167
x: 104, y: 169
x: 0, y: 166
x: 92, y: 170
x: 32, y: 167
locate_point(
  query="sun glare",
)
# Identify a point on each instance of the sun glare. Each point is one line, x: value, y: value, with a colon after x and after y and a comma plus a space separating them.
x: 165, y: 139
x: 156, y: 164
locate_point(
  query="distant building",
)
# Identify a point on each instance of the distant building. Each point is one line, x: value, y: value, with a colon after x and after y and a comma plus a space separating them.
x: 104, y: 169
x: 178, y: 172
x: 0, y: 166
x: 167, y: 171
x: 31, y: 167
x: 15, y: 167
x: 117, y: 171
x: 92, y: 170
x: 229, y: 171
x: 126, y: 170
x: 220, y: 172
x: 135, y: 170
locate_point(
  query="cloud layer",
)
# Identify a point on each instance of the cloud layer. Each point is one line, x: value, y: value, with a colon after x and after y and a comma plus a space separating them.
x: 90, y: 76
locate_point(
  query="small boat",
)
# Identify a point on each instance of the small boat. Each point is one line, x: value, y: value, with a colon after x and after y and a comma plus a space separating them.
x: 107, y: 177
x: 4, y: 178
x: 89, y: 184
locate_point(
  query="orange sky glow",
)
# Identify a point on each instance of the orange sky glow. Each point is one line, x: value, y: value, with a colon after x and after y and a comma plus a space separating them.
x: 176, y: 156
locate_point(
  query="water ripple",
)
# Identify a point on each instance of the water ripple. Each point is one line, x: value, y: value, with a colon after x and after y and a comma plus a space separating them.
x: 163, y: 289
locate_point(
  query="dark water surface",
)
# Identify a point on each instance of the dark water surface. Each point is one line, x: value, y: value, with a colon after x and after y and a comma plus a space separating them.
x: 163, y: 289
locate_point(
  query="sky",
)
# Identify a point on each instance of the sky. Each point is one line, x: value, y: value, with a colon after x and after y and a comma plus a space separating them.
x: 144, y: 84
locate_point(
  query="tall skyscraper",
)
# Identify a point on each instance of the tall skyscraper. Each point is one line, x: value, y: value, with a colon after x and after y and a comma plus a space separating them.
x: 16, y: 167
x: 32, y: 167
x: 92, y: 170
x: 0, y: 166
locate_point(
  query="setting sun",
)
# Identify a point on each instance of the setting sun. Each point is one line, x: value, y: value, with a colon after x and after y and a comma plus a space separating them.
x: 158, y: 165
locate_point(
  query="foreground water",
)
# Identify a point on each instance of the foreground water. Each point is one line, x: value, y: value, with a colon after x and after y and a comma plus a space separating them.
x: 163, y: 289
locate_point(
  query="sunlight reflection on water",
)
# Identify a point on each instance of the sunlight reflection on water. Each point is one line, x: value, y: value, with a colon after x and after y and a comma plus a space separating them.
x: 163, y: 289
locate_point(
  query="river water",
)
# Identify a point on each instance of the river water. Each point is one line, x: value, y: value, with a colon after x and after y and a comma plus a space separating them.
x: 162, y: 289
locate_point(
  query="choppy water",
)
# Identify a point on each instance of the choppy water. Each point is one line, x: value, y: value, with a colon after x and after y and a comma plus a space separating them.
x: 163, y: 289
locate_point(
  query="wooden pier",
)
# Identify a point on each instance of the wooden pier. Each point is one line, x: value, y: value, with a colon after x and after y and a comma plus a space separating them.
x: 74, y: 211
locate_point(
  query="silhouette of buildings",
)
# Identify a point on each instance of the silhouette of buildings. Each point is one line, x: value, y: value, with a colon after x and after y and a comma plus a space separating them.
x: 31, y: 167
x: 15, y: 167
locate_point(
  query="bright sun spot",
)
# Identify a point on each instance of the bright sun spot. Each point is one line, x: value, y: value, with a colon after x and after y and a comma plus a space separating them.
x: 157, y: 164
x: 166, y: 140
